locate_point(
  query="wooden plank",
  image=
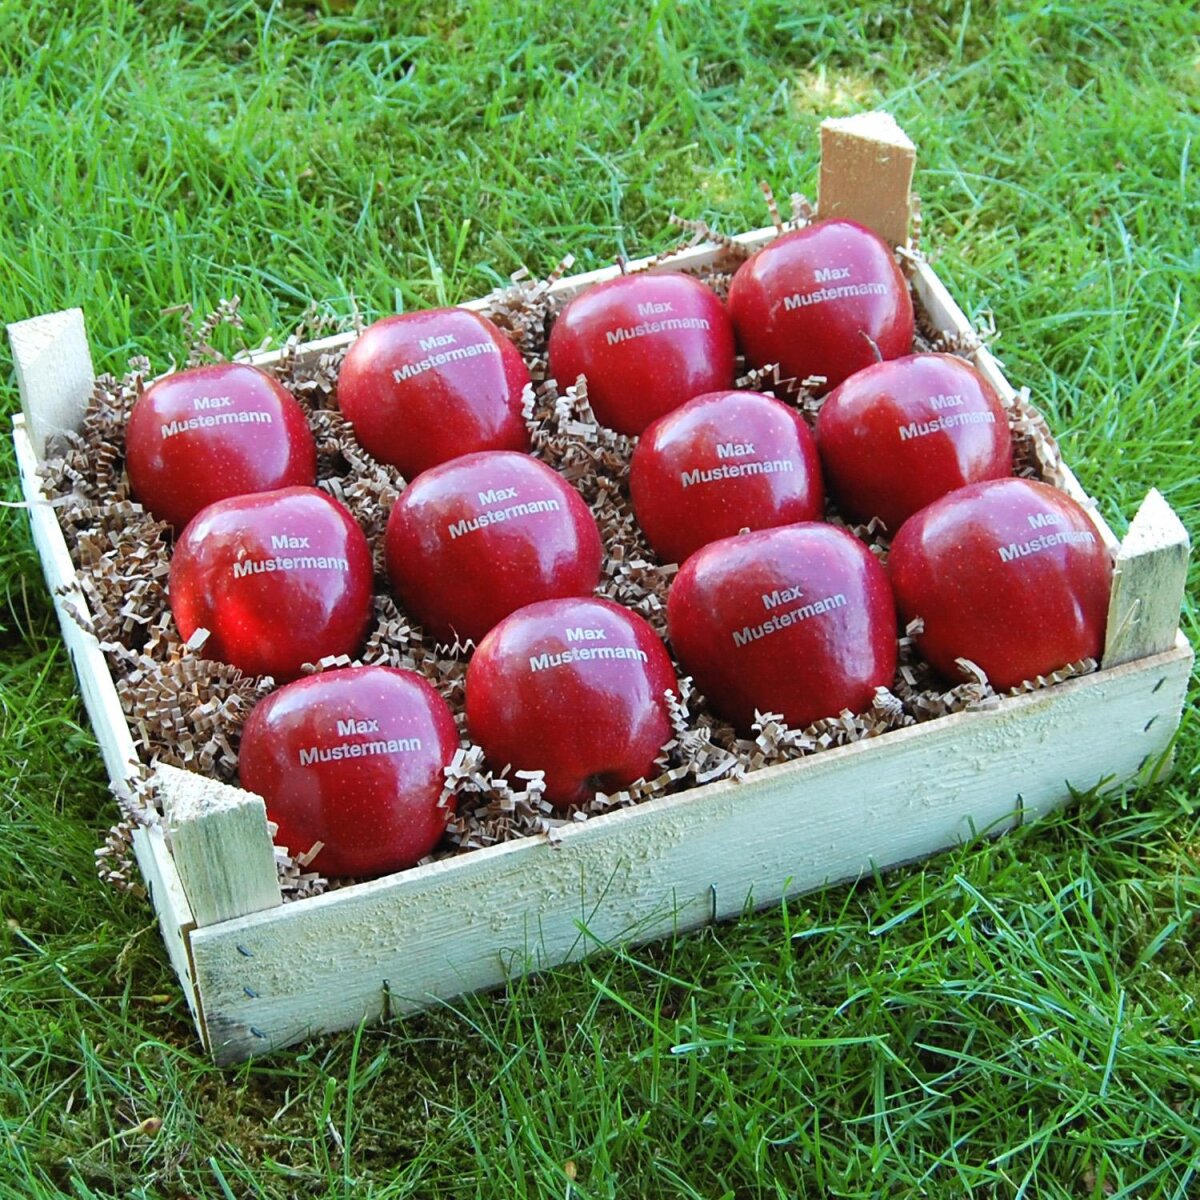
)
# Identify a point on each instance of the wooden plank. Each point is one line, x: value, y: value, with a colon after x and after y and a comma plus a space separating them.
x: 687, y: 260
x: 948, y: 317
x: 398, y: 943
x: 174, y: 915
x: 222, y: 847
x: 1149, y: 579
x: 867, y: 165
x: 95, y: 683
x: 54, y: 373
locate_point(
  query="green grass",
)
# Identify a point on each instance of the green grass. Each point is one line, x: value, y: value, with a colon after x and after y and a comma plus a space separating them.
x: 1012, y: 1018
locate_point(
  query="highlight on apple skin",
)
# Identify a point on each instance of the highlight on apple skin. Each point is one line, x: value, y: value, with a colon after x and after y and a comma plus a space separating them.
x: 1009, y: 573
x: 210, y: 433
x: 575, y: 688
x: 797, y: 620
x: 425, y: 387
x: 483, y: 535
x: 899, y: 435
x: 647, y: 343
x: 723, y: 462
x: 354, y: 759
x: 824, y: 300
x: 279, y: 579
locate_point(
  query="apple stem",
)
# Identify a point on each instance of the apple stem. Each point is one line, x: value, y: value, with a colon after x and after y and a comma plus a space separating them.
x: 874, y: 345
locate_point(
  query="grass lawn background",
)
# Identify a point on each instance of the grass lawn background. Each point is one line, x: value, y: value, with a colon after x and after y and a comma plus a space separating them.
x: 1012, y: 1018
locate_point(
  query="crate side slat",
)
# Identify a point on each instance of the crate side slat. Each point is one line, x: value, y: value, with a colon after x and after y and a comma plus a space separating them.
x: 174, y: 914
x: 692, y: 259
x: 948, y: 317
x: 95, y: 682
x: 104, y: 711
x: 469, y: 923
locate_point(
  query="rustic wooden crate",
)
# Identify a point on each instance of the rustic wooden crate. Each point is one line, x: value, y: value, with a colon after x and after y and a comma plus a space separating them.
x: 258, y: 974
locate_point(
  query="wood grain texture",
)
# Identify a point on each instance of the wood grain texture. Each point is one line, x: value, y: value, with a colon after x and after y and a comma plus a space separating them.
x: 437, y: 931
x: 54, y: 373
x: 948, y: 317
x: 867, y: 166
x: 95, y: 683
x: 174, y: 916
x: 562, y: 289
x: 1149, y: 580
x: 222, y: 847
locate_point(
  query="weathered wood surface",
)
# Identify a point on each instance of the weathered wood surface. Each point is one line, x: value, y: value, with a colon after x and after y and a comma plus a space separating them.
x: 866, y: 176
x: 438, y: 931
x: 221, y: 845
x: 54, y: 373
x: 174, y: 913
x: 1149, y: 579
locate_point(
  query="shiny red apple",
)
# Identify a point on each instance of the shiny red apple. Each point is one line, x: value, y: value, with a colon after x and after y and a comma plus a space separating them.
x: 279, y: 579
x: 424, y: 387
x: 354, y: 759
x: 575, y: 688
x: 476, y: 538
x: 898, y: 435
x: 824, y: 300
x: 1008, y: 573
x: 647, y: 343
x: 722, y: 462
x: 797, y: 620
x: 209, y: 433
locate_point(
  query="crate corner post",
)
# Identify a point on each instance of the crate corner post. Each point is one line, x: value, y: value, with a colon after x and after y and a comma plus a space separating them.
x: 867, y: 164
x: 1149, y: 579
x: 55, y: 377
x: 221, y: 844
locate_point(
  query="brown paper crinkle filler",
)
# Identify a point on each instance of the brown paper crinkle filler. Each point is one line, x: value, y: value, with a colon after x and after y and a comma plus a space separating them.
x: 189, y: 711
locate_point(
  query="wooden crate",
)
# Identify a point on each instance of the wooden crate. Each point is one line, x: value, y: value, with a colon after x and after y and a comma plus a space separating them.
x: 258, y: 974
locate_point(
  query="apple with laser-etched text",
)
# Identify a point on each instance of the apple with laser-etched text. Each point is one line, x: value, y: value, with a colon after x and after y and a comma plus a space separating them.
x: 472, y: 540
x: 797, y: 620
x: 353, y: 760
x: 209, y: 433
x: 575, y: 688
x: 646, y: 343
x: 722, y: 462
x: 824, y: 300
x: 898, y: 435
x: 1009, y: 573
x: 424, y: 387
x: 279, y: 579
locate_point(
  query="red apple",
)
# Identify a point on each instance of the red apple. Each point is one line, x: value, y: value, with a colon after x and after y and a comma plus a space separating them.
x: 898, y: 435
x: 725, y: 461
x: 424, y: 387
x: 354, y: 759
x: 209, y: 433
x: 279, y: 579
x: 797, y: 620
x: 474, y: 539
x: 824, y: 300
x: 575, y: 688
x: 647, y: 343
x: 1009, y: 573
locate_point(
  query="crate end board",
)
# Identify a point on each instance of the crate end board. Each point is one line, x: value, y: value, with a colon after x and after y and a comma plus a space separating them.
x: 398, y: 944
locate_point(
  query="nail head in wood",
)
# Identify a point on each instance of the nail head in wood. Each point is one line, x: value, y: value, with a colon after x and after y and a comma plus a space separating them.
x: 867, y: 165
x: 54, y: 373
x: 1149, y: 578
x: 221, y: 845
